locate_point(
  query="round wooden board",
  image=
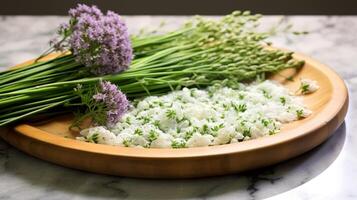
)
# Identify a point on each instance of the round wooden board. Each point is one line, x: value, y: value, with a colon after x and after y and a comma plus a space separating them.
x: 52, y: 141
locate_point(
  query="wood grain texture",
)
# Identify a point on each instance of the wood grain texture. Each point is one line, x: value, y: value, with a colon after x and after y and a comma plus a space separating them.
x: 52, y: 141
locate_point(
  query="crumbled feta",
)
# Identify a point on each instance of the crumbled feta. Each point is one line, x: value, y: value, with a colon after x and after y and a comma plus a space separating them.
x: 196, y: 117
x: 101, y: 135
x: 308, y: 86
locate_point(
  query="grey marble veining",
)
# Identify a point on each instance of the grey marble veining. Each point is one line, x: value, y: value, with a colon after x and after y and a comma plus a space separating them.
x: 327, y: 172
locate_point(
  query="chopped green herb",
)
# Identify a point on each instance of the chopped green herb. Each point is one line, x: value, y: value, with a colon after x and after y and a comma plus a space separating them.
x: 188, y: 135
x: 272, y: 132
x: 183, y: 119
x: 171, y: 114
x: 126, y: 143
x: 265, y: 122
x: 93, y: 138
x: 242, y: 123
x: 242, y: 108
x: 157, y: 123
x: 299, y: 113
x: 146, y: 119
x: 226, y: 107
x: 176, y: 144
x: 178, y: 129
x: 193, y: 93
x: 128, y: 120
x: 205, y: 129
x: 195, y: 128
x: 246, y: 132
x: 304, y: 87
x: 210, y: 93
x: 179, y: 98
x: 138, y: 132
x: 266, y: 94
x: 283, y: 100
x: 216, y: 128
x: 152, y: 135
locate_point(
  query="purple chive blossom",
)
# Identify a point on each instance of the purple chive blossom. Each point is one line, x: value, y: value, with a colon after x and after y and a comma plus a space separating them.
x: 84, y: 9
x: 114, y: 101
x: 98, y: 41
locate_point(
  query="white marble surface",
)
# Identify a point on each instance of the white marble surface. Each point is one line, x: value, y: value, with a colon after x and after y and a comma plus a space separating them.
x: 327, y: 172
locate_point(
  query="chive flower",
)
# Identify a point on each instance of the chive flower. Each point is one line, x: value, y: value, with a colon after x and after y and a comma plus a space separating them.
x: 113, y: 100
x: 103, y: 103
x: 98, y: 41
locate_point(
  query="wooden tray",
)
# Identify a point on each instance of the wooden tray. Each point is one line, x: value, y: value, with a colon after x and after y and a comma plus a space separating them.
x: 53, y: 142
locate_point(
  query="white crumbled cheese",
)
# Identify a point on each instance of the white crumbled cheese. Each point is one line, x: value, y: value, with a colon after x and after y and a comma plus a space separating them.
x: 200, y: 140
x: 196, y: 117
x: 162, y: 141
x: 101, y: 135
x: 308, y: 86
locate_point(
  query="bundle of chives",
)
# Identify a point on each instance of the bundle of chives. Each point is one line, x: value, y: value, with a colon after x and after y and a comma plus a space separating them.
x: 201, y: 53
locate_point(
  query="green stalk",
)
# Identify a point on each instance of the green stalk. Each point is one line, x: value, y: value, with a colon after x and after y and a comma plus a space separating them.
x: 34, y: 103
x: 136, y: 43
x: 44, y: 108
x: 16, y: 113
x: 13, y: 71
x: 32, y: 79
x: 35, y: 82
x: 32, y: 71
x: 159, y: 55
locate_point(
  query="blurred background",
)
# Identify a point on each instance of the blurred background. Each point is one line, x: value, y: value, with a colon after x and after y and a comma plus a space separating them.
x: 185, y: 7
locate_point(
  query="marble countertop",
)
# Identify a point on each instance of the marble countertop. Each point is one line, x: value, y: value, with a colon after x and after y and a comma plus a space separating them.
x: 327, y: 172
